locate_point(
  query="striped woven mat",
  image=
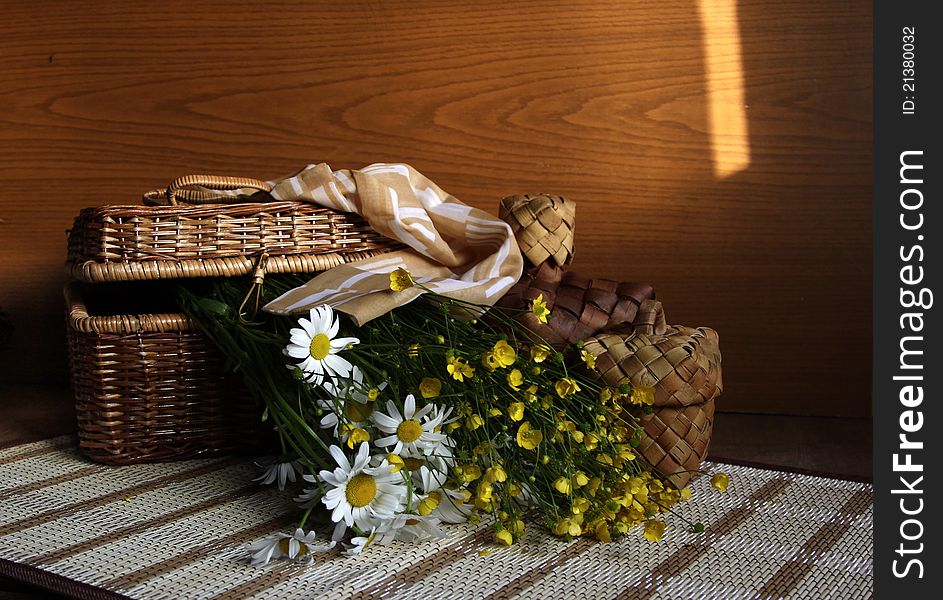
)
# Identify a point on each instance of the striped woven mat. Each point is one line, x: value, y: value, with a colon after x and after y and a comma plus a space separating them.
x: 179, y: 530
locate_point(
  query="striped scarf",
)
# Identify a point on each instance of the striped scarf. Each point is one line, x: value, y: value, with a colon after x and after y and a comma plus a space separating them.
x: 454, y: 249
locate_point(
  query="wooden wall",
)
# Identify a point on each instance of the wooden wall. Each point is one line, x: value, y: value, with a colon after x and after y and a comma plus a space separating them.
x: 608, y: 103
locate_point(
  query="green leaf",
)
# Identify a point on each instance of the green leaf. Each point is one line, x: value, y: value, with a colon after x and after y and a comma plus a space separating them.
x: 215, y: 307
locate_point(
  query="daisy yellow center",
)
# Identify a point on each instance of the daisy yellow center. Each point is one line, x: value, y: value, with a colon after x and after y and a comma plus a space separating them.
x: 320, y: 346
x: 409, y: 430
x: 356, y: 411
x: 413, y: 464
x: 361, y: 490
x: 283, y: 545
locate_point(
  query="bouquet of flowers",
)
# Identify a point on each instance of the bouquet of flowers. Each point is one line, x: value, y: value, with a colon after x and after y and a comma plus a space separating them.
x: 438, y: 412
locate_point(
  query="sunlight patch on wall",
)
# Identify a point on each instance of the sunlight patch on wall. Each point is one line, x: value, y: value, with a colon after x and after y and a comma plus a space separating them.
x: 727, y: 119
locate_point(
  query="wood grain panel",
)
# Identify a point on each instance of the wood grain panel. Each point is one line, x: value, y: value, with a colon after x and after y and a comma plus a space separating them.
x: 603, y: 102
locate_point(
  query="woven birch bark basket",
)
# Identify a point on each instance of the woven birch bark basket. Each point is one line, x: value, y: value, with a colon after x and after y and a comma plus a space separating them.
x: 624, y: 327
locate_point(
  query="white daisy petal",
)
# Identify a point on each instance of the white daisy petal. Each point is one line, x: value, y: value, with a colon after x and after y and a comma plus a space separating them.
x: 385, y: 423
x: 338, y: 365
x: 363, y: 457
x: 341, y: 343
x: 386, y: 441
x: 307, y: 326
x: 333, y: 328
x: 409, y: 407
x: 297, y: 351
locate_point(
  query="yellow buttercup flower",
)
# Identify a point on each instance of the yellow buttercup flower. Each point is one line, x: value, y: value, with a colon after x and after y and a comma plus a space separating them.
x: 540, y: 353
x: 430, y: 387
x: 400, y: 279
x: 590, y: 440
x: 429, y: 503
x: 580, y: 479
x: 484, y: 491
x: 516, y: 411
x: 504, y: 353
x: 494, y: 412
x: 602, y: 532
x: 580, y: 505
x: 654, y: 529
x: 588, y: 359
x: 562, y: 485
x: 495, y: 474
x: 487, y: 506
x: 357, y: 435
x: 515, y: 379
x: 539, y: 308
x: 720, y: 481
x: 396, y: 461
x: 530, y: 394
x: 517, y: 527
x: 569, y: 526
x: 459, y: 368
x: 605, y: 395
x: 489, y: 361
x: 528, y: 437
x: 473, y: 422
x: 504, y: 537
x: 643, y: 394
x: 686, y: 494
x: 566, y: 386
x: 468, y: 473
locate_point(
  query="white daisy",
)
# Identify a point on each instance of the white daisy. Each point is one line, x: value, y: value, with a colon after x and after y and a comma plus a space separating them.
x: 449, y: 506
x: 442, y: 456
x: 283, y: 471
x: 410, y: 436
x: 296, y: 545
x: 308, y: 496
x: 315, y: 344
x: 359, y: 544
x: 409, y: 528
x: 360, y: 495
x: 350, y: 395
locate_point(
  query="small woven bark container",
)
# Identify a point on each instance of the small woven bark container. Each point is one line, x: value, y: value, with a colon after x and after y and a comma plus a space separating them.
x: 623, y: 325
x: 149, y: 386
x: 683, y: 365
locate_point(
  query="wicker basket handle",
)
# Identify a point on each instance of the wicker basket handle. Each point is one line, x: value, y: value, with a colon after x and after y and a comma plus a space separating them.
x: 178, y: 190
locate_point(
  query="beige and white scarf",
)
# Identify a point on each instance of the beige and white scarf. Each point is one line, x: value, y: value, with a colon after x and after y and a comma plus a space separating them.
x: 454, y: 249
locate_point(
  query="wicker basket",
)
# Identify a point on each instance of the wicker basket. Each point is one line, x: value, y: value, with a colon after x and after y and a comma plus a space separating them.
x: 148, y: 385
x: 128, y: 243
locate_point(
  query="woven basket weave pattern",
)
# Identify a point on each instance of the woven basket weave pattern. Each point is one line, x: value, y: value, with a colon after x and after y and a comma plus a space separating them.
x: 682, y: 364
x: 543, y: 225
x: 120, y: 243
x: 580, y: 307
x: 151, y: 387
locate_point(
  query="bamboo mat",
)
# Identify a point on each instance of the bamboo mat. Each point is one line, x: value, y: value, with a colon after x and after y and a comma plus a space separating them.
x: 179, y: 530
